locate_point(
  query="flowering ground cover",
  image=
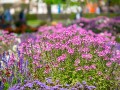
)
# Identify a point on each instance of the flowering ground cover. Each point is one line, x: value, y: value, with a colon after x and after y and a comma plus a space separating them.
x: 59, y: 58
x: 100, y: 24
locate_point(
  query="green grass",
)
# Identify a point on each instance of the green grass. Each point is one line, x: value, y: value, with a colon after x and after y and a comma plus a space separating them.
x: 34, y: 23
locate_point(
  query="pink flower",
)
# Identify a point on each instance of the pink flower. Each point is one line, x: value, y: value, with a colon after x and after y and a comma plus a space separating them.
x: 101, y: 54
x: 62, y: 57
x: 48, y: 46
x: 86, y: 67
x: 81, y: 24
x: 36, y: 57
x: 1, y: 38
x: 11, y: 60
x: 55, y: 64
x: 78, y: 68
x: 108, y: 64
x: 93, y: 66
x: 64, y: 46
x: 40, y: 66
x: 77, y: 61
x: 107, y: 77
x: 57, y: 45
x: 37, y: 64
x: 99, y: 73
x: 85, y: 49
x: 113, y: 59
x: 70, y: 51
x: 106, y: 58
x: 87, y: 56
x: 90, y: 77
x: 47, y: 69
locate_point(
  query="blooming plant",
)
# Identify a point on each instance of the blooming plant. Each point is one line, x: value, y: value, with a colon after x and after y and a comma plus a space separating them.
x: 72, y: 54
x: 8, y: 42
x: 8, y: 53
x: 67, y: 54
x: 50, y: 85
x: 100, y: 24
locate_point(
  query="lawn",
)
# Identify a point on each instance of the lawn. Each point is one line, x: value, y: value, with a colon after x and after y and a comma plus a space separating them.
x: 34, y: 22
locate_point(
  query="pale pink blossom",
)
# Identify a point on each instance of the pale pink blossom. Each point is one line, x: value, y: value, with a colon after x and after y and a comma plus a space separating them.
x: 108, y: 64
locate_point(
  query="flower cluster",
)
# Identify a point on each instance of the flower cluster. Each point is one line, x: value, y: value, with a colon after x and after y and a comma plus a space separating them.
x: 100, y: 24
x: 68, y: 54
x: 50, y: 85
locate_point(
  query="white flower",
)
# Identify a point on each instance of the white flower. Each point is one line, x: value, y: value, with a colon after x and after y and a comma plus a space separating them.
x: 102, y: 34
x: 7, y: 58
x: 2, y: 64
x: 18, y: 39
x: 14, y: 48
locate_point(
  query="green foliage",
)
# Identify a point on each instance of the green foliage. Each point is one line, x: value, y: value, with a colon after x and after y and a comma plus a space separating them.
x: 114, y: 2
x: 6, y: 86
x: 54, y: 1
x: 118, y: 39
x: 32, y: 18
x: 76, y: 3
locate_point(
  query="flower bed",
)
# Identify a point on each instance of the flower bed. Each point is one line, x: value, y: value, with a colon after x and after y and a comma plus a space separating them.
x: 66, y: 54
x: 100, y: 24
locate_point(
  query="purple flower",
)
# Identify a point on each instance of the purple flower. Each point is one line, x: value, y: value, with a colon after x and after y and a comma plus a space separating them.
x: 84, y: 83
x: 49, y: 80
x: 30, y: 85
x: 92, y: 87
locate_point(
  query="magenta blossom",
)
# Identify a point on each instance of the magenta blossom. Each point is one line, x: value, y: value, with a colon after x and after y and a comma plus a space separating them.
x: 108, y: 64
x: 62, y: 57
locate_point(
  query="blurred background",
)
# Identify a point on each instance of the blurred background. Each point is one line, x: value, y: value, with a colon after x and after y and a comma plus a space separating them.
x: 30, y: 14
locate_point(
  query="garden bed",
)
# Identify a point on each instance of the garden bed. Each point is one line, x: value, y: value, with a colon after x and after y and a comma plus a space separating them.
x: 59, y: 58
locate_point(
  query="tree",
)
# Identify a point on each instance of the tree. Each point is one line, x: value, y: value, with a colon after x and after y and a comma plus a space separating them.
x: 49, y: 3
x: 68, y: 2
x: 114, y: 2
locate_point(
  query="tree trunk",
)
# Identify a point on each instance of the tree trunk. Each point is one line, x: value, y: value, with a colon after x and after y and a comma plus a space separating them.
x: 28, y: 8
x: 49, y: 12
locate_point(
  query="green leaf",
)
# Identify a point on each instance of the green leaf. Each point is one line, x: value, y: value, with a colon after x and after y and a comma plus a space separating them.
x: 53, y: 1
x: 6, y: 86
